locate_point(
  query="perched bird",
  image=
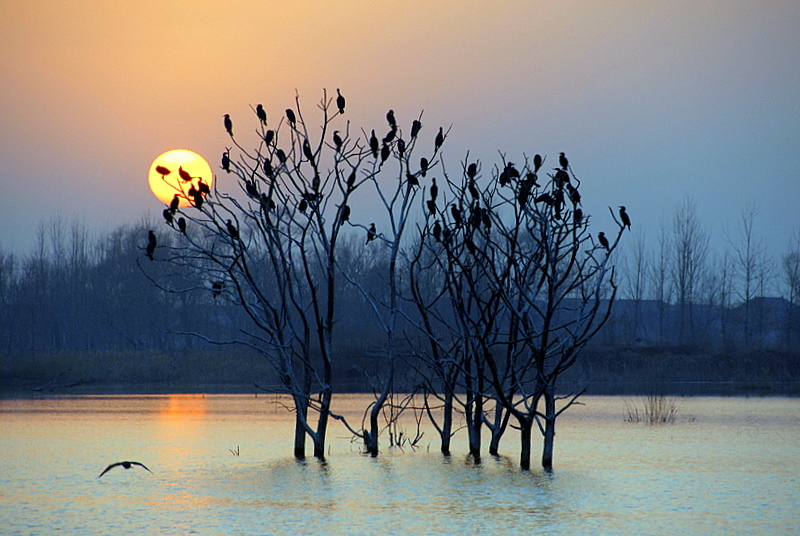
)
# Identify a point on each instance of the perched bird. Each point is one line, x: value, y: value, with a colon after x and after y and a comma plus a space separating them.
x: 229, y: 124
x: 216, y: 288
x: 439, y: 139
x: 316, y: 182
x: 472, y: 170
x: 537, y: 162
x: 198, y: 200
x: 456, y: 212
x: 290, y: 116
x: 577, y: 216
x: 574, y: 194
x: 415, y: 128
x: 308, y: 152
x: 401, y: 147
x: 423, y: 166
x: 431, y: 206
x: 203, y: 187
x: 232, y: 230
x: 339, y: 101
x: 390, y: 118
x: 250, y: 188
x: 184, y: 174
x: 389, y: 136
x: 173, y: 205
x: 473, y: 190
x: 161, y: 170
x: 373, y: 144
x: 151, y: 244
x: 412, y: 179
x: 281, y: 156
x: 351, y: 179
x: 268, y: 171
x: 601, y: 237
x: 345, y: 215
x: 269, y: 137
x: 545, y: 198
x: 226, y: 160
x: 125, y: 465
x: 623, y: 216
x: 371, y: 233
x: 386, y: 151
x: 182, y: 225
x: 303, y: 205
x: 562, y: 161
x: 337, y: 141
x: 437, y: 231
x: 262, y: 114
x: 167, y: 216
x: 434, y: 189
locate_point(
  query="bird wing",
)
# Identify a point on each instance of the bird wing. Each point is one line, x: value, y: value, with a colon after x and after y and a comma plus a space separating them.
x: 141, y: 465
x: 110, y: 467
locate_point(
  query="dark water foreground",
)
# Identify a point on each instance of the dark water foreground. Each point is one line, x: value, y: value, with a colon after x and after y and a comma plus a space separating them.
x: 727, y: 466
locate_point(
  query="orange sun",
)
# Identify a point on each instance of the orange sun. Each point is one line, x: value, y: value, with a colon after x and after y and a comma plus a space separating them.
x: 166, y: 179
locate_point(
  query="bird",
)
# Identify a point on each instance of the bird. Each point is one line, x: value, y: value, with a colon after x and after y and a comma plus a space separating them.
x: 456, y: 212
x: 415, y: 128
x: 431, y: 206
x: 173, y: 205
x: 262, y: 115
x: 434, y: 190
x: 151, y: 244
x: 229, y: 124
x: 198, y: 200
x: 345, y: 215
x: 562, y: 161
x: 226, y: 161
x: 269, y: 136
x: 216, y: 288
x: 423, y: 166
x: 351, y: 179
x: 401, y: 146
x: 577, y: 216
x: 182, y: 225
x: 373, y: 144
x: 412, y: 179
x: 439, y: 139
x: 337, y: 141
x: 473, y: 190
x: 268, y: 171
x: 250, y: 188
x: 290, y: 116
x: 389, y: 136
x: 125, y: 465
x: 281, y: 154
x: 167, y: 216
x: 161, y: 170
x: 232, y: 230
x: 339, y: 101
x: 472, y: 170
x: 303, y: 205
x: 203, y: 187
x: 390, y: 118
x: 623, y: 215
x: 386, y: 151
x: 437, y: 231
x: 371, y: 233
x: 601, y: 237
x: 308, y: 152
x: 184, y: 174
x: 537, y: 162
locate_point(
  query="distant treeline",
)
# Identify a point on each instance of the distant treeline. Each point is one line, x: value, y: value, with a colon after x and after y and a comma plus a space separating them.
x: 80, y: 307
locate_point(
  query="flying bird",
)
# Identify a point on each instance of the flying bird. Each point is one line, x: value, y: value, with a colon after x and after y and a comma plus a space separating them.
x: 125, y: 465
x: 161, y: 170
x: 229, y: 124
x: 601, y: 237
x: 151, y: 244
x: 626, y: 220
x: 262, y: 114
x: 339, y: 101
x: 371, y: 233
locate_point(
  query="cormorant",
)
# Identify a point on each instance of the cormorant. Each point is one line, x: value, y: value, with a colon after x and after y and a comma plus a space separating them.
x: 537, y: 162
x: 250, y: 188
x: 232, y: 230
x: 390, y: 118
x: 439, y: 139
x: 337, y: 141
x: 389, y: 136
x: 198, y: 200
x: 307, y: 151
x: 184, y: 174
x: 125, y: 465
x: 562, y: 161
x: 203, y: 187
x: 269, y: 137
x: 229, y: 124
x: 281, y: 156
x: 226, y: 161
x: 182, y: 225
x: 431, y: 206
x: 339, y: 101
x: 601, y: 237
x: 577, y: 216
x: 401, y: 147
x: 151, y: 244
x: 437, y: 231
x: 173, y: 205
x: 473, y: 190
x: 216, y: 288
x: 412, y: 179
x: 167, y: 216
x: 545, y: 198
x: 161, y: 170
x: 351, y: 179
x: 456, y: 212
x: 434, y: 189
x: 303, y: 205
x: 316, y: 182
x: 345, y: 216
x: 623, y: 216
x: 268, y: 171
x: 291, y: 117
x: 423, y: 165
x: 415, y: 127
x: 373, y: 144
x: 574, y: 194
x: 472, y: 170
x: 262, y: 115
x: 371, y: 233
x: 385, y: 152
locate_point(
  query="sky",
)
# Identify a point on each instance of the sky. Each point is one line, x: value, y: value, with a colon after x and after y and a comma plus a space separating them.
x: 651, y: 101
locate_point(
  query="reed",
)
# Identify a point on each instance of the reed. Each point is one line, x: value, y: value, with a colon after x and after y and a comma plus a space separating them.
x: 652, y: 409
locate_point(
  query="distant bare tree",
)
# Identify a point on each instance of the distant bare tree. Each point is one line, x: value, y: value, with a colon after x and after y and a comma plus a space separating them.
x: 659, y: 281
x: 791, y: 281
x: 689, y: 251
x: 636, y: 267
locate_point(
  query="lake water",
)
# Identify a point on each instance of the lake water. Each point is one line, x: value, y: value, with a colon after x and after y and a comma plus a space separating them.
x: 727, y: 466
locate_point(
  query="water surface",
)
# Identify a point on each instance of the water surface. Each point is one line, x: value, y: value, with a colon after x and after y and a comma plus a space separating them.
x: 727, y: 466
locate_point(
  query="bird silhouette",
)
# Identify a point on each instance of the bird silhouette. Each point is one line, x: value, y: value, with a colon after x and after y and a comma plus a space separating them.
x: 434, y: 189
x: 390, y: 118
x: 373, y: 144
x: 167, y: 216
x: 601, y: 237
x: 308, y: 152
x: 437, y: 231
x: 232, y: 230
x: 415, y: 128
x: 161, y: 170
x: 184, y: 174
x: 226, y: 161
x: 151, y: 244
x: 431, y: 206
x: 262, y: 114
x: 203, y: 187
x: 290, y: 116
x: 337, y: 140
x: 229, y: 124
x: 439, y: 139
x: 537, y: 162
x: 269, y: 136
x: 423, y: 166
x: 386, y: 151
x: 472, y: 170
x: 173, y: 205
x: 281, y: 156
x: 401, y: 146
x: 371, y: 233
x: 345, y: 215
x: 124, y: 465
x: 562, y: 161
x: 339, y: 101
x: 182, y: 225
x: 623, y: 215
x: 351, y: 179
x: 412, y: 179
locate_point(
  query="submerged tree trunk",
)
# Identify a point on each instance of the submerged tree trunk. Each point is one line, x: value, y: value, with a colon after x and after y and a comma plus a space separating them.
x: 549, y: 427
x: 447, y: 421
x: 525, y: 427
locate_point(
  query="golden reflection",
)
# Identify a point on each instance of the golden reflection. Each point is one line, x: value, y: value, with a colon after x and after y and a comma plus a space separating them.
x: 183, y: 409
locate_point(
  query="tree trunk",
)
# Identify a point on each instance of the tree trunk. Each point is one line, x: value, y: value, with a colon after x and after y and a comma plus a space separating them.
x: 301, y: 414
x: 549, y: 427
x: 322, y: 423
x: 525, y: 427
x: 447, y: 421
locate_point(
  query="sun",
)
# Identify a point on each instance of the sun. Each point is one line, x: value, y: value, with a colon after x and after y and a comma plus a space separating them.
x: 166, y: 179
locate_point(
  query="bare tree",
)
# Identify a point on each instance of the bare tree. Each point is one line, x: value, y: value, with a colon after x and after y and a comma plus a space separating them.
x: 791, y: 280
x: 689, y: 252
